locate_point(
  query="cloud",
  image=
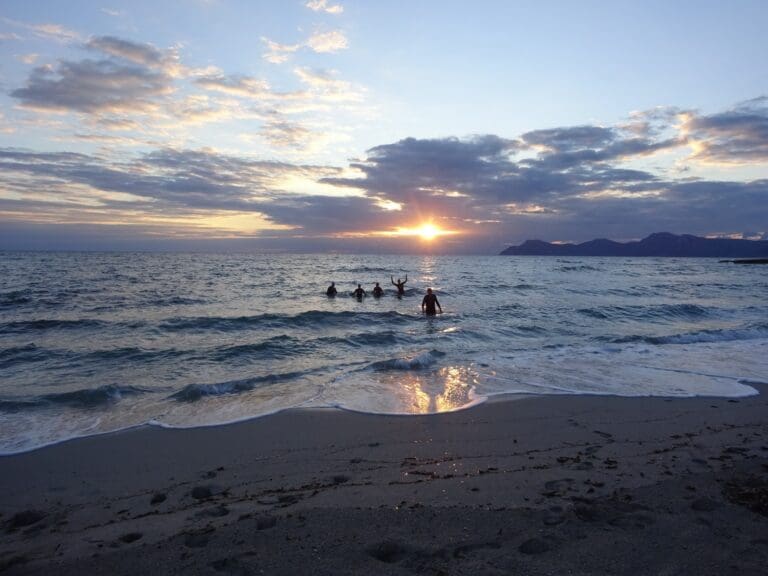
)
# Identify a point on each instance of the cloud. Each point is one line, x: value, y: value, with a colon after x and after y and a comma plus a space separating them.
x: 165, y: 180
x: 327, y: 86
x: 48, y: 31
x: 278, y: 53
x: 736, y: 136
x: 328, y: 215
x: 320, y: 42
x: 92, y: 86
x: 130, y: 78
x: 114, y: 13
x: 144, y: 54
x: 235, y: 85
x: 284, y: 134
x: 323, y: 6
x: 27, y: 58
x: 332, y: 41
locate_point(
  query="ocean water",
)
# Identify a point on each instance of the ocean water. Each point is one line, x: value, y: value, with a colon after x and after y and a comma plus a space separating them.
x: 96, y: 342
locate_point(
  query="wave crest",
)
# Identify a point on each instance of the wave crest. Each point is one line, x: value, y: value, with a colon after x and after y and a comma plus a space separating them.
x: 419, y: 362
x: 310, y: 318
x: 84, y: 398
x: 194, y: 392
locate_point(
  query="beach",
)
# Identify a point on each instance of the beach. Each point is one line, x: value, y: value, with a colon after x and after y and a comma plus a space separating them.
x: 533, y: 485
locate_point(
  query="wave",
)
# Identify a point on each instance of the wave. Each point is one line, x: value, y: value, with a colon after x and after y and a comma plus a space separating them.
x: 84, y: 398
x: 131, y: 353
x: 579, y: 268
x: 14, y: 298
x: 194, y: 392
x: 21, y: 326
x: 370, y: 269
x: 311, y: 318
x: 650, y: 312
x: 175, y: 301
x: 278, y: 347
x: 21, y: 355
x: 384, y: 338
x: 419, y: 362
x: 754, y: 332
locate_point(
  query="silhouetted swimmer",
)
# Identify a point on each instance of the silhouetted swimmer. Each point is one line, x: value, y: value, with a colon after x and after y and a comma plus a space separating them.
x: 331, y: 292
x: 359, y: 293
x: 378, y: 291
x: 429, y: 303
x: 400, y: 284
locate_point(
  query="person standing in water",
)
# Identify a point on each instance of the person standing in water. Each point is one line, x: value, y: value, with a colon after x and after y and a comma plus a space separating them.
x: 359, y: 292
x: 331, y: 292
x: 378, y: 291
x: 429, y: 303
x: 400, y: 285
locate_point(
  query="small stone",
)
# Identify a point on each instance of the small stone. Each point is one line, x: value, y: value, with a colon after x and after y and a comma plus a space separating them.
x: 534, y: 546
x: 201, y: 492
x: 158, y: 498
x: 131, y: 537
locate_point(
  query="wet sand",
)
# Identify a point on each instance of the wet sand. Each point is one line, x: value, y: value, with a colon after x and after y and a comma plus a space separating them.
x: 546, y: 485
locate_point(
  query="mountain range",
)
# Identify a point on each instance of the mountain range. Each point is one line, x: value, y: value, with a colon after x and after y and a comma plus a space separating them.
x: 658, y: 244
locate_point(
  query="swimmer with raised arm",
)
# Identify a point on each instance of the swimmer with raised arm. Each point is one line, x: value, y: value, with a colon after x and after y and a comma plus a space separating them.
x: 400, y: 284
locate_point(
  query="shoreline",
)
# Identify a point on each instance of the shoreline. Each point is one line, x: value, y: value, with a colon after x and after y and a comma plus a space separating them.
x: 501, y: 397
x: 587, y: 483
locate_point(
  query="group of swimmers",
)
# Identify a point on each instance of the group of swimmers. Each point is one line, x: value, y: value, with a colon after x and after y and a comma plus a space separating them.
x: 429, y: 304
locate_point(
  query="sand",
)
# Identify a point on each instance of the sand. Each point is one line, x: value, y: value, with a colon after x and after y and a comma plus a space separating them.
x: 546, y: 485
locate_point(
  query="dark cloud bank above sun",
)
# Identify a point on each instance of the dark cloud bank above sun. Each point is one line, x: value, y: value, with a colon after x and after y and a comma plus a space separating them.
x: 568, y: 183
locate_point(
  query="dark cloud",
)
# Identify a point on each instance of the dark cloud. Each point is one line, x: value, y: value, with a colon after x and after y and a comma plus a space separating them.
x: 129, y: 78
x: 572, y: 138
x: 486, y: 171
x: 188, y: 179
x: 93, y: 86
x: 739, y: 135
x: 144, y: 54
x: 314, y: 215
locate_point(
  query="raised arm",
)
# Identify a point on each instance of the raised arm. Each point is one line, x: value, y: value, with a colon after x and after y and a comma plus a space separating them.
x: 406, y: 279
x: 392, y: 279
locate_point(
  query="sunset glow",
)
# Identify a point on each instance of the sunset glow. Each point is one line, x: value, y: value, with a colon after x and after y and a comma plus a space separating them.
x: 426, y: 231
x: 129, y: 127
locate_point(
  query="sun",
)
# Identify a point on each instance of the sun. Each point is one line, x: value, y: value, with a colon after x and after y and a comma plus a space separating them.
x: 427, y: 231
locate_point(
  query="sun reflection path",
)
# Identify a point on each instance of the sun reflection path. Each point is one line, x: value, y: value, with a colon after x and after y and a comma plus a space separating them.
x: 444, y: 390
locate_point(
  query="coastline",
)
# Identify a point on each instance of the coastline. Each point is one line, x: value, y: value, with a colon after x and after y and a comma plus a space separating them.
x: 590, y: 484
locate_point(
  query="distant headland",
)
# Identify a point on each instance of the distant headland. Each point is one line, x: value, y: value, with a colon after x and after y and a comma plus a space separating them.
x: 658, y: 244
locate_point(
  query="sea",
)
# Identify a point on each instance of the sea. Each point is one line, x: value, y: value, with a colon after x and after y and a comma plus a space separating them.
x: 92, y: 343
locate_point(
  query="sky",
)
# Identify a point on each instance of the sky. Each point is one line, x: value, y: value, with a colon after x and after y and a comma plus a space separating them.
x: 379, y: 126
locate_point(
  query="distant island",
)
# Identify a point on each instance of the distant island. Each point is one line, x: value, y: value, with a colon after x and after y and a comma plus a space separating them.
x: 658, y: 244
